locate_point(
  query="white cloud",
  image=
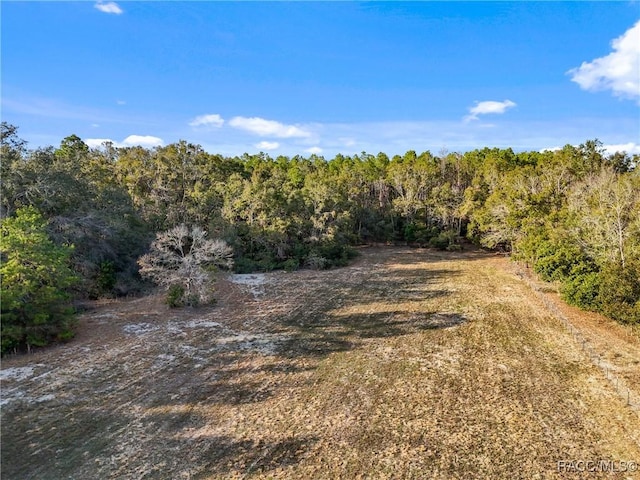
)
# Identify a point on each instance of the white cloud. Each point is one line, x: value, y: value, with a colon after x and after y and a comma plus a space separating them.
x: 131, y: 141
x: 265, y: 128
x: 314, y: 150
x: 549, y: 149
x: 143, y: 141
x: 209, y: 120
x: 121, y: 102
x: 96, y: 142
x: 489, y: 106
x: 619, y: 71
x: 109, y: 7
x: 267, y: 145
x: 631, y: 148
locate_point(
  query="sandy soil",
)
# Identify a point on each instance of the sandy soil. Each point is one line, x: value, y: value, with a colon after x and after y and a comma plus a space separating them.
x: 409, y: 363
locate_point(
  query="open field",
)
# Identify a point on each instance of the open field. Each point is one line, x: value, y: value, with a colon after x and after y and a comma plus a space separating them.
x: 409, y: 363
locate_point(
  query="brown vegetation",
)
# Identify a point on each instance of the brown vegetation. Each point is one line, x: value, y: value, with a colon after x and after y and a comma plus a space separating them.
x: 408, y: 364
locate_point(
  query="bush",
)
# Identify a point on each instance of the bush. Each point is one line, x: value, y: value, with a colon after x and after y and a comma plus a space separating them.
x: 333, y: 254
x: 410, y: 232
x: 443, y: 240
x: 244, y: 265
x: 419, y: 233
x: 556, y: 260
x: 104, y: 280
x: 175, y: 296
x: 316, y: 262
x: 619, y: 292
x: 266, y: 262
x: 290, y: 265
x: 424, y: 234
x: 582, y: 290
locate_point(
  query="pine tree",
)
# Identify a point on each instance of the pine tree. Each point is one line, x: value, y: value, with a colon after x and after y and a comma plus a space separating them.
x: 35, y: 274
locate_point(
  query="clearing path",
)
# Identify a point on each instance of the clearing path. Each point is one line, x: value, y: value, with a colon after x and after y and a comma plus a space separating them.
x: 409, y: 363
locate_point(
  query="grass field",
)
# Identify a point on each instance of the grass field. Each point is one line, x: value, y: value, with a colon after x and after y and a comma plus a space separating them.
x: 409, y: 363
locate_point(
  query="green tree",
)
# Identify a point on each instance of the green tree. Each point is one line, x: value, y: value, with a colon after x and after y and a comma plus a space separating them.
x: 36, y: 278
x: 12, y: 150
x: 77, y: 190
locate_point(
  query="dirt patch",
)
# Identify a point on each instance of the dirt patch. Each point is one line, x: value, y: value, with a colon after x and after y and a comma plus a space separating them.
x: 254, y: 282
x: 407, y: 364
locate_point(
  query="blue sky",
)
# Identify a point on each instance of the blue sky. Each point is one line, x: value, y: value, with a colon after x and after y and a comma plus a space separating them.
x: 304, y: 77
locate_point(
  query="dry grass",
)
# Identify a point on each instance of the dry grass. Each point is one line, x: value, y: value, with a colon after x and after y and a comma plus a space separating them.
x: 408, y: 364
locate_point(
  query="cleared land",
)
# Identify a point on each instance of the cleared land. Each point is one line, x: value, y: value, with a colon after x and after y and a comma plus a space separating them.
x: 408, y: 364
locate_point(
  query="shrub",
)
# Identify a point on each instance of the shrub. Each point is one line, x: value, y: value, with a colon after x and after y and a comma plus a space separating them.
x: 104, y: 281
x: 244, y: 265
x: 419, y: 233
x: 443, y: 240
x: 424, y: 235
x: 334, y: 254
x: 175, y: 296
x: 619, y: 292
x: 582, y: 290
x: 290, y: 265
x: 316, y: 262
x: 410, y: 232
x: 266, y: 262
x: 556, y: 260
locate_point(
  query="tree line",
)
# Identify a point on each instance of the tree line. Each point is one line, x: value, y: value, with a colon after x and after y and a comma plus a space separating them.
x: 572, y: 214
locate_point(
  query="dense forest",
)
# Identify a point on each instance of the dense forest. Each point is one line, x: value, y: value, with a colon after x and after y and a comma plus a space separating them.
x: 76, y: 220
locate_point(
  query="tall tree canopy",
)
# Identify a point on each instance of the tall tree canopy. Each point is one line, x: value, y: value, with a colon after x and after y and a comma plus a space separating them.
x: 572, y: 214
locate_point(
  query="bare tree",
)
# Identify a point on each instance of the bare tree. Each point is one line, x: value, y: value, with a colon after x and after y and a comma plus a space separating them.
x: 607, y: 212
x: 182, y: 259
